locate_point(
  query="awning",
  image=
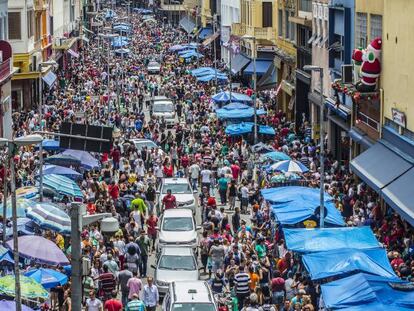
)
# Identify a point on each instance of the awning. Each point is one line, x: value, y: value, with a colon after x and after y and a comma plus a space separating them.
x: 262, y: 66
x: 49, y: 78
x: 205, y: 32
x: 399, y: 195
x: 73, y: 53
x: 211, y: 38
x: 269, y: 79
x: 238, y: 63
x: 187, y: 24
x: 379, y: 166
x: 360, y: 138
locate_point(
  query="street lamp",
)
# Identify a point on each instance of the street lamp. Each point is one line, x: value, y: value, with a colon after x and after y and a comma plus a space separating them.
x: 244, y: 38
x: 322, y: 145
x: 12, y: 144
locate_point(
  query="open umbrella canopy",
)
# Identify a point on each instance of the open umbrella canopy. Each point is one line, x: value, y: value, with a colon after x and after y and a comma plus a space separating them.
x: 180, y: 47
x: 289, y: 166
x: 48, y: 278
x: 42, y: 250
x: 21, y: 205
x: 25, y: 226
x: 61, y: 170
x: 210, y: 77
x: 63, y: 160
x: 224, y: 97
x: 86, y: 159
x: 50, y: 216
x: 30, y: 289
x: 274, y: 156
x: 192, y: 54
x: 28, y: 192
x: 262, y: 148
x: 50, y: 144
x: 11, y: 305
x: 202, y: 71
x: 247, y: 127
x: 62, y: 185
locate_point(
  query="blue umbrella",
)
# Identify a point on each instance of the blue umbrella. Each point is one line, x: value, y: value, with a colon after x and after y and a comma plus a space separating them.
x: 122, y: 28
x: 192, y: 54
x: 21, y: 205
x: 62, y: 185
x: 24, y: 227
x: 211, y: 77
x: 119, y: 42
x: 50, y: 144
x: 11, y: 305
x: 50, y: 216
x: 180, y: 47
x: 63, y: 160
x: 235, y: 97
x: 86, y: 159
x: 61, y: 170
x: 49, y: 278
x: 275, y: 156
x: 289, y: 166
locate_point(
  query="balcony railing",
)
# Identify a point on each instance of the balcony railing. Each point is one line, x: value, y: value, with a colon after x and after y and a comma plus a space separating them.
x: 266, y: 33
x: 5, y: 69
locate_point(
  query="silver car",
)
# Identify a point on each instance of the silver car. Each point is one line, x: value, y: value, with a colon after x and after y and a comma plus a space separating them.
x: 154, y: 67
x: 178, y: 227
x: 181, y: 189
x: 164, y: 109
x: 175, y: 264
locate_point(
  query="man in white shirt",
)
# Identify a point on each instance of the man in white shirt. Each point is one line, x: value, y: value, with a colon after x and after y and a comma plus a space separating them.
x: 93, y: 303
x: 194, y: 172
x: 206, y: 178
x: 244, y: 198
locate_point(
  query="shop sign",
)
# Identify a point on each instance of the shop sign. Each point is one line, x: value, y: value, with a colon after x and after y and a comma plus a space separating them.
x: 399, y: 117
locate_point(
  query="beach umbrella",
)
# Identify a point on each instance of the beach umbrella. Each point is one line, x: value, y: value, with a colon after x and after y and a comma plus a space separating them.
x: 61, y: 170
x: 48, y: 278
x: 274, y: 156
x: 11, y: 305
x: 39, y: 249
x: 50, y: 216
x: 30, y: 289
x: 86, y: 159
x: 63, y: 160
x: 62, y: 185
x: 28, y: 192
x: 224, y: 97
x: 262, y: 148
x: 289, y: 166
x: 24, y: 227
x: 21, y: 204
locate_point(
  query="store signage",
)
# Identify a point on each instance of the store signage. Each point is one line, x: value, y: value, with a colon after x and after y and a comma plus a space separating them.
x: 399, y: 117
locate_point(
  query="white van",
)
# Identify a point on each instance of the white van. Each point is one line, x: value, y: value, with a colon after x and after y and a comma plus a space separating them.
x: 164, y: 109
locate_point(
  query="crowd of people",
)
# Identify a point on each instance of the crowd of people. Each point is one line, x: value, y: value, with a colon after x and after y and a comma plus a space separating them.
x: 241, y: 250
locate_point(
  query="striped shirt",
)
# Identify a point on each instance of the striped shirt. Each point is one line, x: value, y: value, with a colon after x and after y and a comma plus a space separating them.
x: 135, y: 305
x: 241, y: 280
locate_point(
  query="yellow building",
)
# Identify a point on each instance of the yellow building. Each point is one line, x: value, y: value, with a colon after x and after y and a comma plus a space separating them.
x: 388, y: 165
x: 285, y: 59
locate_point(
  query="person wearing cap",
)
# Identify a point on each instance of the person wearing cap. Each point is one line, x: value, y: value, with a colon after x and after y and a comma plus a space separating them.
x: 135, y: 304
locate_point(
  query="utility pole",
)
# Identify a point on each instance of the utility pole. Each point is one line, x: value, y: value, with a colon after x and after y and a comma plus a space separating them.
x: 214, y: 49
x: 76, y: 285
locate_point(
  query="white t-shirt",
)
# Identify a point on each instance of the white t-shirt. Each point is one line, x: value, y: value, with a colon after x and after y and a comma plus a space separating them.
x: 93, y: 305
x: 244, y: 192
x: 195, y: 171
x: 205, y: 176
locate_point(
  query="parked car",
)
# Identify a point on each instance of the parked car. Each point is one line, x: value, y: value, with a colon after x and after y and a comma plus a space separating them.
x: 154, y: 67
x: 178, y: 227
x: 189, y: 296
x: 175, y: 264
x: 181, y: 189
x: 140, y: 143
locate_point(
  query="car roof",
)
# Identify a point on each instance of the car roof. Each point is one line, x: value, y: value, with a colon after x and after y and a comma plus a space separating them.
x: 177, y: 212
x: 170, y: 181
x: 163, y: 102
x: 159, y: 97
x: 177, y: 251
x: 181, y: 292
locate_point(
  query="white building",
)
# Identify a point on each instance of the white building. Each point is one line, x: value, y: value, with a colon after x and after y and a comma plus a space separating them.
x: 230, y: 13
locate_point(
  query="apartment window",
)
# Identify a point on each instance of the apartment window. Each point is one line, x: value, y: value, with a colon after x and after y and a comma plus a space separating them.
x: 361, y: 30
x: 280, y: 23
x: 37, y: 28
x: 267, y: 15
x: 292, y: 29
x: 376, y: 26
x: 15, y: 31
x: 305, y: 5
x: 30, y: 23
x: 337, y: 47
x: 72, y: 10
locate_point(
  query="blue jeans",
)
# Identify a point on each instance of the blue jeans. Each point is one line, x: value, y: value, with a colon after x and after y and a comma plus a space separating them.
x: 124, y: 298
x: 194, y: 183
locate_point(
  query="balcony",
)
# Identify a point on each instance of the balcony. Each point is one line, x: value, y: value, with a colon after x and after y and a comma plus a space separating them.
x: 5, y: 70
x: 368, y: 114
x: 260, y: 33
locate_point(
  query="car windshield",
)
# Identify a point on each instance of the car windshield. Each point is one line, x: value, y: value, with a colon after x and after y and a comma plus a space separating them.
x: 193, y: 307
x: 177, y: 263
x: 163, y: 108
x: 178, y: 224
x: 153, y: 64
x: 177, y: 188
x: 148, y: 144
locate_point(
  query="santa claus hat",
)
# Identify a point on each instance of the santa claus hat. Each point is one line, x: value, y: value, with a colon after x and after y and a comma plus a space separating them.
x: 376, y: 44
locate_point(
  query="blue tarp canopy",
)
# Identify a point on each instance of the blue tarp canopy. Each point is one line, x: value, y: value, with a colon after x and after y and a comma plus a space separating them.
x: 122, y: 28
x: 243, y: 111
x: 365, y: 292
x: 210, y: 77
x: 326, y: 239
x: 185, y: 51
x: 180, y: 47
x: 110, y: 14
x: 294, y: 204
x: 262, y: 66
x: 205, y: 71
x: 61, y: 170
x: 192, y: 53
x: 50, y: 144
x: 187, y: 24
x: 119, y: 42
x: 86, y: 159
x: 205, y: 32
x: 341, y: 262
x: 247, y: 127
x: 224, y: 97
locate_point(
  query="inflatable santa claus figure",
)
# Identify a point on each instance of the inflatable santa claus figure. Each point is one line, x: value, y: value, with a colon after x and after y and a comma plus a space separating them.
x: 370, y: 65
